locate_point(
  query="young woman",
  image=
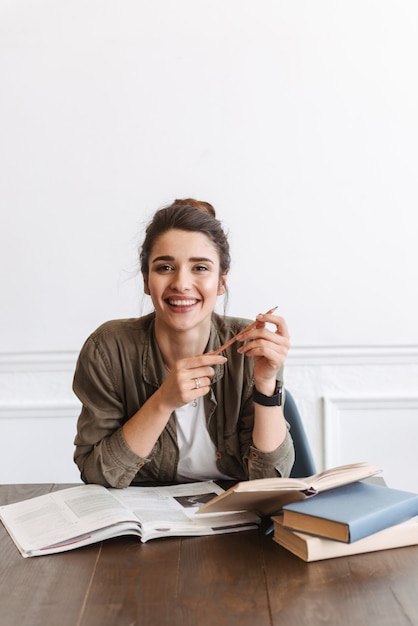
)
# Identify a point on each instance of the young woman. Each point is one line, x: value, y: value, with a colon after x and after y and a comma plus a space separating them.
x: 157, y: 404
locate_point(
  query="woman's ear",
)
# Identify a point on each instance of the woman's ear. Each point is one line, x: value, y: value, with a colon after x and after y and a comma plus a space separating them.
x: 146, y: 288
x: 222, y: 285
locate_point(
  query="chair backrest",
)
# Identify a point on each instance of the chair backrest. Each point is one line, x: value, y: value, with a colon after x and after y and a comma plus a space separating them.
x: 304, y: 464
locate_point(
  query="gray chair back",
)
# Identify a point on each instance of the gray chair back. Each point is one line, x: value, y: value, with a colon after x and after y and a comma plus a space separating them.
x: 304, y: 464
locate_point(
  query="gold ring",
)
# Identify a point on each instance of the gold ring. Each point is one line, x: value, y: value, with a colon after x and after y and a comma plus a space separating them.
x: 197, y: 383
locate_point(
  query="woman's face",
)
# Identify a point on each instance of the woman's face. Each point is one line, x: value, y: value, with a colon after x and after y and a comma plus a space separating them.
x: 183, y: 279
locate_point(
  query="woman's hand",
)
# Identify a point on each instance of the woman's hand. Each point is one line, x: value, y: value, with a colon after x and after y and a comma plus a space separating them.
x: 189, y: 379
x: 268, y: 349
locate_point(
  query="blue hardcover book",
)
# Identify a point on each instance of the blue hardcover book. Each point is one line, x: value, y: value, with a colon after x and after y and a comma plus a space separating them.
x: 351, y: 512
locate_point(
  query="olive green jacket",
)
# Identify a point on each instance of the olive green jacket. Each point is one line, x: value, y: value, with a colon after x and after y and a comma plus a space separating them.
x: 120, y: 367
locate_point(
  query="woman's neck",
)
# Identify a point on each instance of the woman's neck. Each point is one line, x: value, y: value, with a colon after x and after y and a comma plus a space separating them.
x: 176, y: 345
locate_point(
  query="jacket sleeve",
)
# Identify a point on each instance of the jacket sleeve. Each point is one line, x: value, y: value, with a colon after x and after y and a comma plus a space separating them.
x: 271, y: 464
x: 102, y: 455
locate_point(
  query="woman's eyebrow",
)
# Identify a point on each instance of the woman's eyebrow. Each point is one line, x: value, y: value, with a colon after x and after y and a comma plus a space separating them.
x: 193, y: 259
x: 163, y: 258
x: 200, y: 259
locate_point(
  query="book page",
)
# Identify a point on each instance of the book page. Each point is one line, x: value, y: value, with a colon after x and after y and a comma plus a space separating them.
x: 272, y: 484
x: 57, y: 516
x: 326, y: 479
x: 268, y: 495
x: 343, y: 474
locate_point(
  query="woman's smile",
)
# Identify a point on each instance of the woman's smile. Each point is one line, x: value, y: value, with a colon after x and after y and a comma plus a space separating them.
x: 179, y: 306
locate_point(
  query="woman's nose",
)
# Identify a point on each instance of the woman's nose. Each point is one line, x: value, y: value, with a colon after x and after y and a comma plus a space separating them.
x: 181, y: 280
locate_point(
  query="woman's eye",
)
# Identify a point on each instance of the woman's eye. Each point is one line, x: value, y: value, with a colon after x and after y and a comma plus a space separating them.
x: 201, y: 268
x: 164, y: 268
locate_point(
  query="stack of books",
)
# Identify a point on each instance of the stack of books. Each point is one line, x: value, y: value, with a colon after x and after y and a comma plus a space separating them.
x: 355, y: 518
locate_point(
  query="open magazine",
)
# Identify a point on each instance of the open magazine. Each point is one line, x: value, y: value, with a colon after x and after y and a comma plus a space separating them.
x: 86, y: 514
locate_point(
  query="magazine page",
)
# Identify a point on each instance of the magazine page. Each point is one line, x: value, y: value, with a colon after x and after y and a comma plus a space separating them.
x: 60, y: 515
x: 174, y: 503
x: 173, y: 509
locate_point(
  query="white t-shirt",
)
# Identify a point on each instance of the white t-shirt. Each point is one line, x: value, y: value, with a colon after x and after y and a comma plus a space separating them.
x: 197, y: 451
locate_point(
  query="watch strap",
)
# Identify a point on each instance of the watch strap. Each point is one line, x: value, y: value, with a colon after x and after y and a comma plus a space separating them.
x: 274, y: 400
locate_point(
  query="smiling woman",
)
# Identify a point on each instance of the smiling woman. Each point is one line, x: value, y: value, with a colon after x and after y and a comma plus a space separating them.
x: 159, y: 404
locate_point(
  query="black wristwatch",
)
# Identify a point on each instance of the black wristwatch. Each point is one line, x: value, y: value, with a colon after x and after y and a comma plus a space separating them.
x: 274, y: 400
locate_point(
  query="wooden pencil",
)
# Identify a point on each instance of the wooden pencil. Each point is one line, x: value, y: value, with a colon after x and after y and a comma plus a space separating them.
x: 244, y: 330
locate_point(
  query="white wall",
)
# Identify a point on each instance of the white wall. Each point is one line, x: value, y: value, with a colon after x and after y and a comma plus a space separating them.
x: 297, y: 120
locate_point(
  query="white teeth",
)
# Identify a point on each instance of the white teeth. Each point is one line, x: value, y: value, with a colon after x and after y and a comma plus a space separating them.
x: 182, y: 302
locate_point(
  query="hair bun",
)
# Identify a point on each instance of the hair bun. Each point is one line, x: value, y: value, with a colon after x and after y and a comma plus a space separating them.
x: 205, y: 207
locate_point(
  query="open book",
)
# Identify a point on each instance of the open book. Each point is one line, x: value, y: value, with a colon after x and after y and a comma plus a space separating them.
x: 266, y: 496
x: 86, y: 514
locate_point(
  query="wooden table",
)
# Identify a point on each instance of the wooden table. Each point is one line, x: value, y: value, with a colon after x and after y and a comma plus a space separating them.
x: 240, y: 579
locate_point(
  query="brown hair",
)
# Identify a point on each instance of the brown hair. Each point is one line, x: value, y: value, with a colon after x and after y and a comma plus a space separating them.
x: 190, y: 215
